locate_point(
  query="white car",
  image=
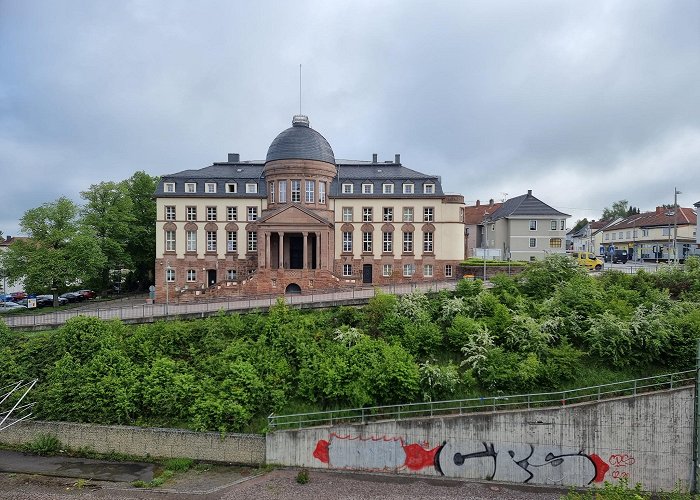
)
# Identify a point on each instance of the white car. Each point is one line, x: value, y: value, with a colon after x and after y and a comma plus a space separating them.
x: 11, y: 307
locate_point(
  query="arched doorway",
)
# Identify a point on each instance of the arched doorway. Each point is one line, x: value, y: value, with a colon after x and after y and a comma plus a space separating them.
x: 292, y: 289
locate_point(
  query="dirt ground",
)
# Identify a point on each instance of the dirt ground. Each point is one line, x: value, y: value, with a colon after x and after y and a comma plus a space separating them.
x: 228, y: 482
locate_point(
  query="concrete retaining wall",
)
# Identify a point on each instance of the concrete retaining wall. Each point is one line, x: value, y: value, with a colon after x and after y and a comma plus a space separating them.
x: 248, y: 449
x: 646, y: 439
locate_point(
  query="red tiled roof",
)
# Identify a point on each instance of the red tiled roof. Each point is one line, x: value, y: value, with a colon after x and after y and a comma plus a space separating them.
x: 660, y: 217
x: 476, y: 214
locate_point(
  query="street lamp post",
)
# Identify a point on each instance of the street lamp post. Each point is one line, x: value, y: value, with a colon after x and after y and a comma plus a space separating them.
x: 675, y: 224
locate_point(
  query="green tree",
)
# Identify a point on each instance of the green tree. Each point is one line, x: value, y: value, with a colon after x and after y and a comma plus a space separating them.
x: 59, y: 252
x: 579, y: 224
x: 620, y: 208
x: 141, y: 239
x: 108, y: 214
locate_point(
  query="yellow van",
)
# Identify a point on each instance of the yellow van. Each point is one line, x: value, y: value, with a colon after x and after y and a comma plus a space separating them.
x: 588, y: 259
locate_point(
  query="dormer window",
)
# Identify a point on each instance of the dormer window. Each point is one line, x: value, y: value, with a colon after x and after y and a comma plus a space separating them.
x: 190, y: 187
x: 169, y: 187
x: 408, y: 189
x: 367, y: 188
x: 347, y: 188
x: 428, y: 188
x: 388, y: 188
x: 210, y: 187
x: 251, y: 188
x: 231, y: 187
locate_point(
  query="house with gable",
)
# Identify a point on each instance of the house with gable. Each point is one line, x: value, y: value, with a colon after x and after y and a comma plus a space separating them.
x: 525, y: 228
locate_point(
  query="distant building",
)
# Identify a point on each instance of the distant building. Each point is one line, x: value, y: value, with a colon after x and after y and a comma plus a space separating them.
x: 651, y: 235
x: 301, y: 220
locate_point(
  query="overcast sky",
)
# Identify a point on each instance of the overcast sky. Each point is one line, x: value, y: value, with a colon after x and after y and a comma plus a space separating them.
x: 584, y: 102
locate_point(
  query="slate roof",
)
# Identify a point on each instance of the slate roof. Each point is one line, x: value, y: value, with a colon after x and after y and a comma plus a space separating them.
x: 378, y: 174
x: 300, y: 142
x: 660, y: 217
x: 220, y: 173
x: 525, y: 205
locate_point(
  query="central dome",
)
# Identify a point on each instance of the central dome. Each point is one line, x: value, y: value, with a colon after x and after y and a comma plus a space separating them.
x: 300, y: 142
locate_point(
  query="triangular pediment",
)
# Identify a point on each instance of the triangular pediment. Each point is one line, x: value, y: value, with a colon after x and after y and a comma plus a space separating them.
x: 293, y: 215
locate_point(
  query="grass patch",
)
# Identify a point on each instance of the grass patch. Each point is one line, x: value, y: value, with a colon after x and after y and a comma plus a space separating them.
x: 44, y: 444
x: 172, y: 466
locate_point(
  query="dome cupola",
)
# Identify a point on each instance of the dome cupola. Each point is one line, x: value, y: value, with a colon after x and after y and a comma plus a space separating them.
x: 300, y: 142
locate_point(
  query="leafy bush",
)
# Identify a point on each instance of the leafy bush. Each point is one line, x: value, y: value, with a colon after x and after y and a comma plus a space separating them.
x: 44, y: 444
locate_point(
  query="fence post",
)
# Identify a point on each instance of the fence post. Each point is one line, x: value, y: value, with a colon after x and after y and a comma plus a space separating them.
x: 696, y: 427
x: 634, y: 388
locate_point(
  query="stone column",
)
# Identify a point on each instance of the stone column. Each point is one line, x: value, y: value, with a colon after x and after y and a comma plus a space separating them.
x: 280, y: 262
x: 305, y: 262
x: 268, y: 262
x: 318, y: 250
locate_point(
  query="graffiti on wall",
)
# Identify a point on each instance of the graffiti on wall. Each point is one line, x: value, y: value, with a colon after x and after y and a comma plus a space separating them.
x: 525, y: 463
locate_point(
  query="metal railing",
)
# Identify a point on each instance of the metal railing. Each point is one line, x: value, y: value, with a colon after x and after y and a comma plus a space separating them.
x: 482, y: 404
x: 204, y: 307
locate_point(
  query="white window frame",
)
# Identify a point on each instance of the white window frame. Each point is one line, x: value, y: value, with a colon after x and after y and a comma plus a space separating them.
x: 388, y: 214
x: 387, y: 270
x: 428, y: 270
x: 409, y: 270
x: 191, y: 275
x: 368, y: 189
x: 387, y: 188
x: 428, y: 188
x: 169, y: 187
x: 347, y: 270
x: 169, y: 241
x: 251, y: 187
x: 271, y: 191
x: 282, y: 191
x: 252, y: 241
x: 347, y: 241
x: 170, y: 275
x: 231, y: 187
x: 409, y: 188
x: 408, y: 214
x: 387, y: 242
x: 191, y: 241
x: 211, y: 241
x: 170, y: 212
x: 428, y: 214
x: 533, y: 225
x: 322, y: 192
x: 448, y: 270
x: 367, y: 241
x: 252, y: 214
x: 347, y: 214
x: 190, y: 187
x: 428, y: 242
x: 552, y: 225
x: 296, y: 190
x: 347, y: 188
x: 191, y: 213
x: 533, y: 242
x: 231, y: 275
x: 562, y: 225
x: 211, y: 213
x: 310, y: 191
x: 232, y: 213
x: 367, y: 214
x: 408, y: 242
x: 231, y: 241
x: 210, y: 187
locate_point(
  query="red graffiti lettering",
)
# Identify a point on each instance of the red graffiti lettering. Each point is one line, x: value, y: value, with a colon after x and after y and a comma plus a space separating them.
x: 621, y: 460
x: 601, y: 468
x: 418, y: 457
x: 321, y: 451
x: 620, y: 474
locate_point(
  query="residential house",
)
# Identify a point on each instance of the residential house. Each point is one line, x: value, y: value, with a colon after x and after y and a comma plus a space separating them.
x: 589, y: 238
x: 474, y: 225
x: 525, y: 228
x: 662, y: 235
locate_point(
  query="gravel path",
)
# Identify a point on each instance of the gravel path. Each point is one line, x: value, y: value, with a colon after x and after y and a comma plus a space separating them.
x: 278, y: 484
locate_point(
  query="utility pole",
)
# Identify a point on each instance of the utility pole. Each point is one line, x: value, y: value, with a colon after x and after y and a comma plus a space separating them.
x: 675, y: 225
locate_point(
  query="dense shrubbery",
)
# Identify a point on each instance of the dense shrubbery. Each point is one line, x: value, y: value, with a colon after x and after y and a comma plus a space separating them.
x: 544, y: 329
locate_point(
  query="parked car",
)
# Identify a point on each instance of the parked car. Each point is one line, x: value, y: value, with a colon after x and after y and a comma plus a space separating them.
x: 72, y: 296
x: 18, y: 295
x: 5, y: 297
x: 7, y: 307
x: 618, y: 257
x: 588, y: 259
x: 47, y: 300
x: 88, y: 294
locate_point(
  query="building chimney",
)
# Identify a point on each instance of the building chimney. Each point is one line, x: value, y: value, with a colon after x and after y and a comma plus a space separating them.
x: 478, y: 203
x: 659, y: 210
x: 529, y: 192
x: 491, y: 202
x: 234, y: 157
x: 397, y: 158
x: 374, y: 158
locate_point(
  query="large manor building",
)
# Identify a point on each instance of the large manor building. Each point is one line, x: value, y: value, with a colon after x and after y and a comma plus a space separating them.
x: 302, y: 221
